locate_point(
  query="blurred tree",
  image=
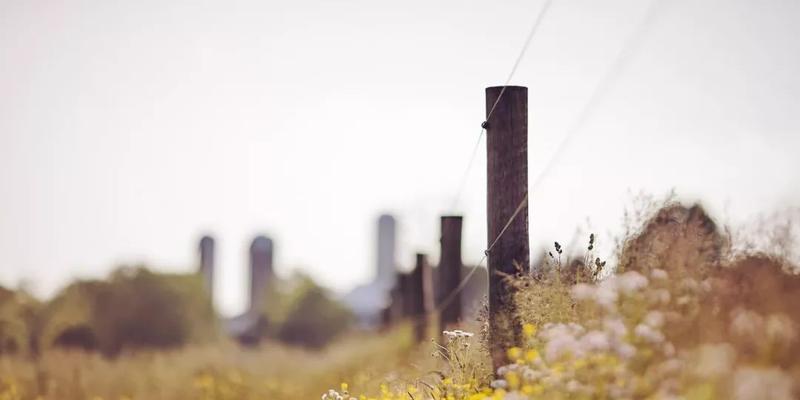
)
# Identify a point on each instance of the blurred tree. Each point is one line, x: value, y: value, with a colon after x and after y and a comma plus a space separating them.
x: 134, y: 308
x: 313, y: 318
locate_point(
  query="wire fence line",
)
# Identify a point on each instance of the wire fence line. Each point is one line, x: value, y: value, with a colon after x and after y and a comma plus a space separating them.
x: 535, y: 28
x: 631, y: 45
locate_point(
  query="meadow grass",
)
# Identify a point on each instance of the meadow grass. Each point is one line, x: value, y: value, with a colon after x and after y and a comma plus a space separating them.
x: 221, y: 372
x: 679, y: 317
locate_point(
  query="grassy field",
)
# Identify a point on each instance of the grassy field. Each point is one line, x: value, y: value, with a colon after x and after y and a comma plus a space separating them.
x: 680, y: 316
x: 273, y: 371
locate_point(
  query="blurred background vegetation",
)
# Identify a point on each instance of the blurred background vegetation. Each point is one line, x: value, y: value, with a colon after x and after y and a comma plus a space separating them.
x: 135, y: 308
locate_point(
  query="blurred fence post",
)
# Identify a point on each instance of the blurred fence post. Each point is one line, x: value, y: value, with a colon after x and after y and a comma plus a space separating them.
x: 507, y: 188
x: 450, y: 271
x: 404, y: 295
x: 420, y: 293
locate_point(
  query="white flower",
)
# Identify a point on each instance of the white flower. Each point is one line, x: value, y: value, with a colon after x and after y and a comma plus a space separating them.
x: 746, y: 323
x: 631, y: 281
x: 625, y: 350
x: 596, y: 341
x: 649, y: 334
x: 458, y: 333
x: 615, y: 327
x: 654, y: 319
x: 606, y: 294
x: 658, y: 274
x: 561, y: 345
x: 499, y: 384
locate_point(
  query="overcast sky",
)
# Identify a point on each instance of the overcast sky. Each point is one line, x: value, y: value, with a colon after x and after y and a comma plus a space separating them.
x: 129, y: 129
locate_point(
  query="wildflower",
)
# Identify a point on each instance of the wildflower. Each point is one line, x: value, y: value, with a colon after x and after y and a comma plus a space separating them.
x: 648, y: 333
x: 560, y: 345
x: 654, y: 319
x: 514, y: 353
x: 746, y: 323
x: 631, y: 281
x: 499, y: 384
x: 606, y: 294
x: 596, y: 341
x: 531, y: 355
x: 658, y: 274
x: 458, y: 333
x: 582, y: 292
x: 615, y: 327
x: 625, y: 350
x: 529, y: 330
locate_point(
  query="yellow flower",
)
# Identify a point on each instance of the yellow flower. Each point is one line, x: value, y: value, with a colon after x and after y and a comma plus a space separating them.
x: 532, y: 390
x: 513, y: 380
x: 531, y: 355
x: 529, y: 330
x: 514, y: 353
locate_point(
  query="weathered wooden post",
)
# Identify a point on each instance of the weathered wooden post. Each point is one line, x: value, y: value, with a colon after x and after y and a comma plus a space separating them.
x: 450, y: 271
x: 507, y: 188
x: 396, y: 306
x: 404, y: 295
x: 420, y: 291
x: 207, y: 264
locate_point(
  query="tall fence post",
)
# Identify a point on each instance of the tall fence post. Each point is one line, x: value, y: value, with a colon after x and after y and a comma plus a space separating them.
x: 507, y: 188
x: 207, y: 264
x: 420, y: 291
x: 403, y: 295
x: 450, y: 265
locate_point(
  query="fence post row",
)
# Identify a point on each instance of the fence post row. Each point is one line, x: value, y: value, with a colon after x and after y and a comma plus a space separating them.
x: 450, y: 265
x: 507, y: 187
x: 420, y: 296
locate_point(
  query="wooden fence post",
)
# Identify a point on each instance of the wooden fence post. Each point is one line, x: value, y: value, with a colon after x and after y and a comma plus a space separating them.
x: 450, y: 271
x: 402, y: 295
x: 420, y: 292
x: 507, y: 187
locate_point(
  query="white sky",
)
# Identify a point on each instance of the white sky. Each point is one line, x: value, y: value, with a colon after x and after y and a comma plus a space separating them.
x: 128, y: 129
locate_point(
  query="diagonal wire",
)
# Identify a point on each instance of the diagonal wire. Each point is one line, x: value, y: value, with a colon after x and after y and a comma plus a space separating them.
x: 632, y: 44
x: 528, y: 40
